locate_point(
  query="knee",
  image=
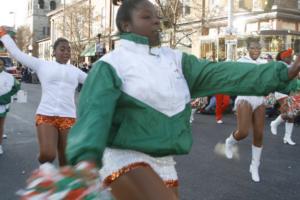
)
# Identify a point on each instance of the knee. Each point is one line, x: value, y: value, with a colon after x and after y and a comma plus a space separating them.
x: 242, y: 134
x: 46, y: 157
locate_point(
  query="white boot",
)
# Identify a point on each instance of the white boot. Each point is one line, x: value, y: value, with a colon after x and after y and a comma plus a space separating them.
x: 192, y: 115
x: 288, y: 133
x: 274, y: 124
x: 256, y: 154
x: 229, y: 143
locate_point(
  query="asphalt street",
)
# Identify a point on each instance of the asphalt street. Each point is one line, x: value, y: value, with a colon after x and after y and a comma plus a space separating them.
x: 204, y: 174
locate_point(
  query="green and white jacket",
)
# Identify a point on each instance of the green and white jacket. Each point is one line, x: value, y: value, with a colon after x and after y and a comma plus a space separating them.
x: 137, y: 98
x: 8, y: 87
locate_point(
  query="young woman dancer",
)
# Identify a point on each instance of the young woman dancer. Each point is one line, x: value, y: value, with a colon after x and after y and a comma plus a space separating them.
x: 8, y: 87
x: 287, y: 57
x: 56, y: 112
x: 250, y: 112
x: 132, y: 134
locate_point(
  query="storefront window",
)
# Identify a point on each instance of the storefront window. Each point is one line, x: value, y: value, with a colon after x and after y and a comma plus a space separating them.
x: 276, y: 44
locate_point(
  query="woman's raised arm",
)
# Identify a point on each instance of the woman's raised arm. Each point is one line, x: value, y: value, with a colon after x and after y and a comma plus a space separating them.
x: 295, y: 69
x: 10, y: 45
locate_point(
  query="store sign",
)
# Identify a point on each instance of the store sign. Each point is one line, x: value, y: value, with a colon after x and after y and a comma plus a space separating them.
x: 231, y: 41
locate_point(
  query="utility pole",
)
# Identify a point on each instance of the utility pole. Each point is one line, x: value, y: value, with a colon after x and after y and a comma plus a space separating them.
x: 203, y: 17
x: 64, y: 18
x: 89, y: 21
x: 110, y: 25
x: 13, y: 13
x: 230, y: 38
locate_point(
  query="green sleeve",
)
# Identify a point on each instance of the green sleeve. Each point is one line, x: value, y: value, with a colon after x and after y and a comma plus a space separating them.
x: 87, y: 138
x: 234, y: 78
x: 6, y: 98
x: 293, y: 86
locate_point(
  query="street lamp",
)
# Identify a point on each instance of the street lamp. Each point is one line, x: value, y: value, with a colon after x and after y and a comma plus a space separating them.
x: 13, y: 13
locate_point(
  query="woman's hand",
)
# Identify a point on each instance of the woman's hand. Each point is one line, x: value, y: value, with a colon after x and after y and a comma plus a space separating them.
x: 295, y: 69
x: 2, y: 31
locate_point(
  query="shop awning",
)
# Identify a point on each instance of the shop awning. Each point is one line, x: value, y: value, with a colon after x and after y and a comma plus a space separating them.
x: 90, y: 50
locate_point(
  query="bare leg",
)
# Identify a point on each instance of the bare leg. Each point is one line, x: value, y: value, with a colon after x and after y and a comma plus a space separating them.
x: 175, y: 190
x: 62, y: 142
x: 244, y: 120
x: 258, y: 125
x: 48, y: 138
x: 258, y: 130
x: 141, y: 183
x: 2, y: 120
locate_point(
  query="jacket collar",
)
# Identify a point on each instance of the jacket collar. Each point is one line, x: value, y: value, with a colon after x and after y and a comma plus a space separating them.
x: 138, y: 44
x: 138, y: 39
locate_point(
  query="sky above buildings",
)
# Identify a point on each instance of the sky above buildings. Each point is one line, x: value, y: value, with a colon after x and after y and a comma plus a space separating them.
x: 12, y: 12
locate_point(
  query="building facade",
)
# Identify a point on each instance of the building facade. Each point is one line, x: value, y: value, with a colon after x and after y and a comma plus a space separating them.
x: 275, y: 22
x: 37, y: 19
x: 84, y: 23
x: 202, y: 28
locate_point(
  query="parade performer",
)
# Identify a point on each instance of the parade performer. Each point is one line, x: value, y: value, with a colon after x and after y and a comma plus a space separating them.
x: 250, y: 113
x: 8, y: 87
x: 287, y: 57
x: 222, y: 103
x: 56, y: 112
x: 132, y: 134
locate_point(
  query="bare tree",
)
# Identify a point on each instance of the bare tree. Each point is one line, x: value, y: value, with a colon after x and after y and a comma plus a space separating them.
x: 23, y: 37
x: 205, y: 12
x: 170, y: 11
x: 77, y: 26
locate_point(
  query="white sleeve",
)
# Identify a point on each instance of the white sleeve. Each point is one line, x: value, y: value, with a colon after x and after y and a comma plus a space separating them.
x: 82, y: 76
x: 21, y: 57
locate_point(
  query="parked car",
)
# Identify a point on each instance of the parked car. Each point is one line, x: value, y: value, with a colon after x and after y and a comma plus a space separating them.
x: 15, y: 72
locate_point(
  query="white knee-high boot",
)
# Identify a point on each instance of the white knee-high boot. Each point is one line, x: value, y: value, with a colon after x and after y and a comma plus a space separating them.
x: 229, y: 143
x: 192, y: 115
x: 256, y: 154
x: 288, y: 133
x: 274, y: 124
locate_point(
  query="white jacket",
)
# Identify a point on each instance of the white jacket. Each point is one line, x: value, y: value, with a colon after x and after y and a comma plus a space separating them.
x: 58, y: 81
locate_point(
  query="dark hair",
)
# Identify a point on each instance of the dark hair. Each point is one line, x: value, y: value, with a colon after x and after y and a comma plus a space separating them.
x: 252, y: 40
x: 125, y: 12
x: 278, y: 56
x: 59, y: 40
